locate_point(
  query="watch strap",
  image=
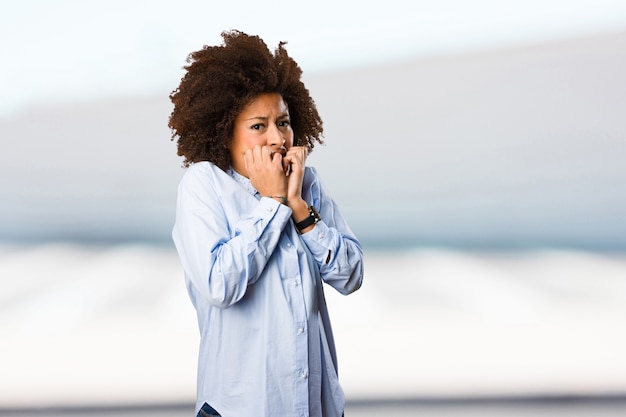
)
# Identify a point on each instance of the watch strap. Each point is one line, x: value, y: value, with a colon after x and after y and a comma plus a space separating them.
x: 313, y: 218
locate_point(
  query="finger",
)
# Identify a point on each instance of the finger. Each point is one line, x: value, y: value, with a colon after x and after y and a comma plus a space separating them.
x: 286, y: 163
x: 299, y: 152
x: 296, y: 157
x: 257, y: 151
x: 274, y: 156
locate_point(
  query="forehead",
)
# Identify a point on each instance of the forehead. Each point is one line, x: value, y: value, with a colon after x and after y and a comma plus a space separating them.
x: 265, y: 105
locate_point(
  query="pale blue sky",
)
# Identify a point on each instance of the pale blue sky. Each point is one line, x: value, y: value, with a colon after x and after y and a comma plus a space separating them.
x: 77, y: 50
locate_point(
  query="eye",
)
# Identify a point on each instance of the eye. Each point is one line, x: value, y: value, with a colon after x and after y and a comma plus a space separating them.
x: 257, y: 126
x: 284, y: 123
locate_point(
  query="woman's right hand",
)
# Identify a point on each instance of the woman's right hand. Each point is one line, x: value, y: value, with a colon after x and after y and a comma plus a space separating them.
x: 265, y: 171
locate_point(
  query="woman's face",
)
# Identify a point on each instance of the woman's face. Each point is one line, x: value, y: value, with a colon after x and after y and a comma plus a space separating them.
x: 265, y: 122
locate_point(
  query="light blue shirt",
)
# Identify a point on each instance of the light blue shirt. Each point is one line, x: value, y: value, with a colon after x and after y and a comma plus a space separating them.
x: 266, y: 346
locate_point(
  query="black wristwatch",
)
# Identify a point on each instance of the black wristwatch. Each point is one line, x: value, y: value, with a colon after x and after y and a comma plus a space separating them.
x: 313, y: 218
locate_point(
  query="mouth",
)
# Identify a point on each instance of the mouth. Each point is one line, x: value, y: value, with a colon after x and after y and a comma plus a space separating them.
x: 282, y: 150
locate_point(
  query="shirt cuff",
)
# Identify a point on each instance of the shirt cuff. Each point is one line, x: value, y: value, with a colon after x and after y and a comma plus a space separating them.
x: 269, y: 208
x: 319, y: 240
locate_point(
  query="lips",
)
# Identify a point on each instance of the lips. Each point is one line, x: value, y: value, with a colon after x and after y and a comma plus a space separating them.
x: 282, y: 150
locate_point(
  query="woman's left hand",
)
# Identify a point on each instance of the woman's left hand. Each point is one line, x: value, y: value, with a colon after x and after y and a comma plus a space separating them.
x: 293, y: 163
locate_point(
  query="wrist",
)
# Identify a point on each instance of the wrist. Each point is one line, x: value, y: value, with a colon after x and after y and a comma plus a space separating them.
x: 280, y: 198
x: 308, y: 222
x: 299, y: 209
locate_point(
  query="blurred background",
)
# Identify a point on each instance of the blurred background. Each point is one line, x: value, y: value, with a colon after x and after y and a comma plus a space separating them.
x: 476, y: 148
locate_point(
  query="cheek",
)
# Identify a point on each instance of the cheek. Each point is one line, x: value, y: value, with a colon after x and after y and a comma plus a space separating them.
x: 241, y: 142
x: 289, y: 139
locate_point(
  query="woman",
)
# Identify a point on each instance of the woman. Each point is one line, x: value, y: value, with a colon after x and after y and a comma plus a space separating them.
x: 257, y: 234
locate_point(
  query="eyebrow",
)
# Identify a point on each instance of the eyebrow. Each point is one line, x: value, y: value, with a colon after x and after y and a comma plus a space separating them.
x: 280, y: 116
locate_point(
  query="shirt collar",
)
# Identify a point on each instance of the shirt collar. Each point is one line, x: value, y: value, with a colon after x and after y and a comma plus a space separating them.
x: 243, y: 181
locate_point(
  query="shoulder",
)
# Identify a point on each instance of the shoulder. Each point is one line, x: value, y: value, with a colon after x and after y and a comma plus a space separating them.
x: 312, y: 187
x: 310, y: 179
x: 203, y: 175
x: 203, y: 170
x: 310, y: 174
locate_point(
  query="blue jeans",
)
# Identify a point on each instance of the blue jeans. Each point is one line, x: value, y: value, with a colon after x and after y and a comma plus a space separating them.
x: 208, y: 411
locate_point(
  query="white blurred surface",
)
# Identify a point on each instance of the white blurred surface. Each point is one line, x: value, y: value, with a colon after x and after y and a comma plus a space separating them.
x: 113, y: 325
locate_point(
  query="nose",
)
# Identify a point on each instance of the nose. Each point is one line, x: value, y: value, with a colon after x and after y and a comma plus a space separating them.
x: 275, y: 137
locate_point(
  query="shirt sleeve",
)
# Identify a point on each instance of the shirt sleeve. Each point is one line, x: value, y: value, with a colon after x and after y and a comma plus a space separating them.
x: 222, y: 257
x: 336, y: 250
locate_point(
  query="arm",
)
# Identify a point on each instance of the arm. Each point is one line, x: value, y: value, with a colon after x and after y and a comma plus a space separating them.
x: 336, y: 250
x: 220, y: 256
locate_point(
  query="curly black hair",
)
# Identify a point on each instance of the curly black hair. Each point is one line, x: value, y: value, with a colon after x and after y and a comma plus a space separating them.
x: 220, y: 81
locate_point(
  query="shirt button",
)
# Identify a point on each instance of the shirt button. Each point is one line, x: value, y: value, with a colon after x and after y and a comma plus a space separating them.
x: 303, y: 375
x: 300, y: 330
x: 288, y: 244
